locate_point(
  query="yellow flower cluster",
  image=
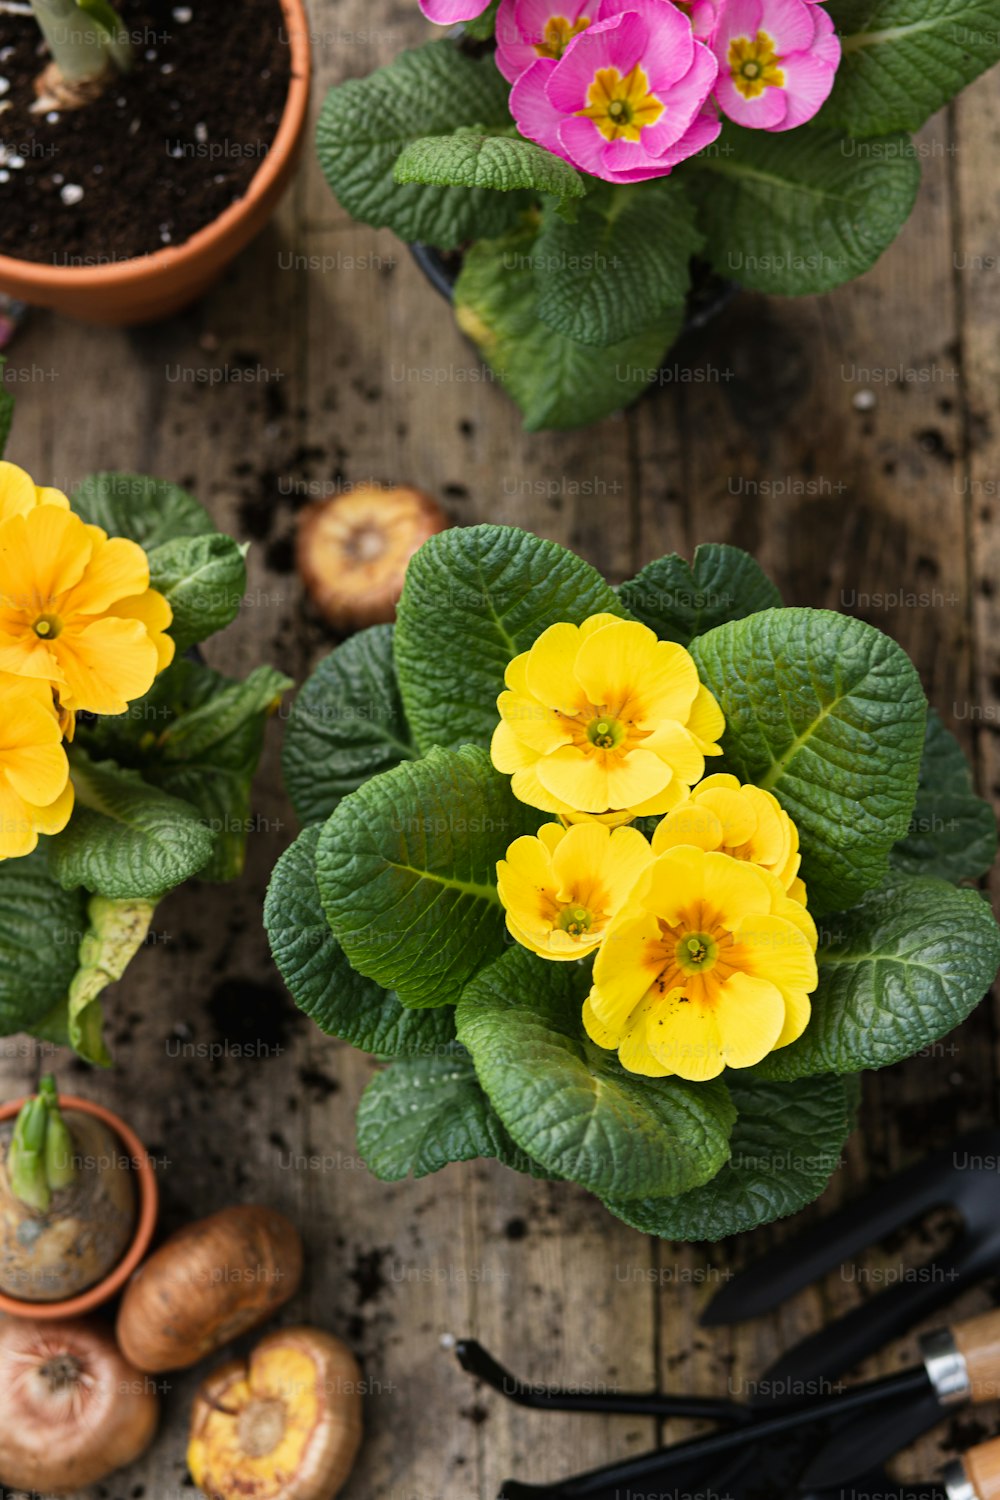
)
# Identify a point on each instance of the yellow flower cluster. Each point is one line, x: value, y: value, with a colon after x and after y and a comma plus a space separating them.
x: 80, y: 631
x: 705, y: 952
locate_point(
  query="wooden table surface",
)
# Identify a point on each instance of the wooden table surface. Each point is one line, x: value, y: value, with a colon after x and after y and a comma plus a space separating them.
x: 852, y: 442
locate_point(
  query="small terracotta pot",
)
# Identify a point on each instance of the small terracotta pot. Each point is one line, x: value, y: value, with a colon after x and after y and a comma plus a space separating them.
x: 153, y: 286
x: 147, y: 1210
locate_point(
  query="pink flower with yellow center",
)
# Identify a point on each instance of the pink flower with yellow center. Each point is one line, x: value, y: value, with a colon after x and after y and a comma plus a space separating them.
x: 77, y: 612
x: 777, y: 61
x: 562, y: 889
x: 708, y: 965
x: 626, y: 100
x: 530, y: 29
x: 605, y: 720
x: 36, y: 794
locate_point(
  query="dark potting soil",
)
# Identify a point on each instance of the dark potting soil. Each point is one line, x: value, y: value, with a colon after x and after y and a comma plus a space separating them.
x: 163, y: 151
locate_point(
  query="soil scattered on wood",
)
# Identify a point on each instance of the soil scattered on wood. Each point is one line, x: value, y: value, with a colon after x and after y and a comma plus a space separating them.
x: 163, y: 151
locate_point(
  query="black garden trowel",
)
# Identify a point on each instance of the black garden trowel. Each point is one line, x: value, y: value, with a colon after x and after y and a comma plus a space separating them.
x: 769, y: 1450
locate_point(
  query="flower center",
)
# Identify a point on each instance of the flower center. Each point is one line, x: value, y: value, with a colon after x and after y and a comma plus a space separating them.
x: 605, y: 733
x: 696, y: 952
x: 47, y: 627
x: 575, y: 920
x: 620, y: 107
x: 558, y: 34
x: 754, y: 65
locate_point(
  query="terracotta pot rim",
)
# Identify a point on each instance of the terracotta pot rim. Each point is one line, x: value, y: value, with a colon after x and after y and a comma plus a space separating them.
x: 148, y: 1209
x: 141, y: 268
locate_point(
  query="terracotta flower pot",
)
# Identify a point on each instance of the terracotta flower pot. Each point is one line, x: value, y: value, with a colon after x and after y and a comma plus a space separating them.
x: 147, y: 1208
x: 154, y: 286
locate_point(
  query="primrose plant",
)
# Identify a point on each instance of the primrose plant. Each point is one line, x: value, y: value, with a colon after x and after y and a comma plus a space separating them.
x: 628, y: 887
x: 596, y: 164
x: 125, y: 761
x: 88, y: 44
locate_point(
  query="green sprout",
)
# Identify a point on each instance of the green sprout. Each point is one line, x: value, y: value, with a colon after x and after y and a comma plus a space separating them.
x: 40, y: 1160
x: 87, y: 39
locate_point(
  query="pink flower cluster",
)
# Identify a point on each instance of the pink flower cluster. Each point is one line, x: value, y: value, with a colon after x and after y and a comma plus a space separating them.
x: 626, y: 89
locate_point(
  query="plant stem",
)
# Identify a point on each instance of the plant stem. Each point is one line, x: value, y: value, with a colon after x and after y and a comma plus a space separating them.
x: 81, y: 49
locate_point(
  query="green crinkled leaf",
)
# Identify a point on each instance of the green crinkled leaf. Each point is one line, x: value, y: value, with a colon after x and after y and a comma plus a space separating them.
x: 904, y: 59
x: 468, y: 158
x: 681, y: 600
x: 148, y: 511
x: 346, y: 725
x: 421, y: 1113
x: 319, y: 977
x: 953, y: 833
x: 828, y: 714
x: 198, y: 735
x: 407, y: 873
x: 366, y: 123
x: 622, y: 263
x: 896, y: 974
x: 801, y: 211
x: 41, y: 928
x: 203, y: 579
x: 126, y: 839
x: 556, y: 381
x: 569, y: 1104
x: 474, y: 598
x: 786, y: 1145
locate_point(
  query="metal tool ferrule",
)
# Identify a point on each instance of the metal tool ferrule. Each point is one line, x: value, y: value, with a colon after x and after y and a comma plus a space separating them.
x: 946, y: 1368
x: 957, y: 1484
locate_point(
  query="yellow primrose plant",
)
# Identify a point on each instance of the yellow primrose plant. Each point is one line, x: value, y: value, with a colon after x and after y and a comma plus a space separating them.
x: 125, y: 762
x: 628, y: 886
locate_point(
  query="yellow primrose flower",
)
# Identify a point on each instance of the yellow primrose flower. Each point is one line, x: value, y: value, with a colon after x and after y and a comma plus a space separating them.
x: 604, y: 719
x: 19, y: 493
x: 744, y: 821
x: 708, y: 965
x: 77, y: 612
x: 36, y: 794
x: 561, y: 889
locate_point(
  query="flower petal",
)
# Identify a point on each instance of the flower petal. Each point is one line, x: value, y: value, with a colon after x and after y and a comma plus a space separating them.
x: 627, y: 964
x: 685, y: 1037
x: 547, y: 675
x: 577, y: 778
x: 42, y: 555
x: 536, y: 117
x: 106, y: 664
x: 635, y: 778
x: 118, y: 569
x: 776, y: 949
x: 750, y: 1014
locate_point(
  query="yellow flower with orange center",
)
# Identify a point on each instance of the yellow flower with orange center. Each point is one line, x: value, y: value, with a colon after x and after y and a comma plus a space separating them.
x: 621, y: 107
x: 36, y: 794
x: 77, y: 612
x: 19, y: 493
x: 558, y: 33
x: 754, y: 65
x: 605, y: 720
x: 708, y: 965
x: 744, y: 821
x: 562, y: 889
